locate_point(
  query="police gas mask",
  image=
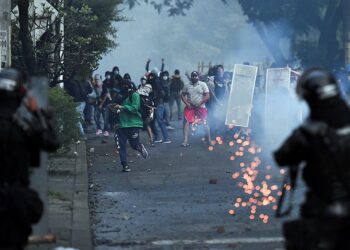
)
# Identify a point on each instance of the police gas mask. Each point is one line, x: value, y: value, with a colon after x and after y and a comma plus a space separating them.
x: 194, y: 77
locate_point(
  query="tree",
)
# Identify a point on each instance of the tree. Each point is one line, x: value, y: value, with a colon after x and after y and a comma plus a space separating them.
x: 313, y: 26
x: 88, y: 35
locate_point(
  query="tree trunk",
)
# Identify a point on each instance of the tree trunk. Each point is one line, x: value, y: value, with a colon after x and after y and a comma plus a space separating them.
x: 25, y: 38
x: 328, y: 44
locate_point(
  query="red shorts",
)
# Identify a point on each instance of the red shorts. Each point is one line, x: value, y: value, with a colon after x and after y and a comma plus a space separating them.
x: 196, y: 115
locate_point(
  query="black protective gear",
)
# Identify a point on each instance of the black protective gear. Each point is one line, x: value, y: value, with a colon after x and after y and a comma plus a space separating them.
x: 317, y: 85
x: 12, y: 85
x: 23, y: 135
x: 322, y: 143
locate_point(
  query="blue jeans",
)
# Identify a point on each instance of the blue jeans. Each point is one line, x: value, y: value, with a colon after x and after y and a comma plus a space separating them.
x: 122, y: 135
x: 175, y: 98
x: 104, y: 113
x: 167, y: 114
x: 160, y: 114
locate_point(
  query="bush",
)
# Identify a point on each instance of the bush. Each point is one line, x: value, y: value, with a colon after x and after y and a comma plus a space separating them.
x: 66, y: 117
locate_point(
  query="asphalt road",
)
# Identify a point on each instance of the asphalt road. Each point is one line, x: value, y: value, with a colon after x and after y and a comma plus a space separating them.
x: 179, y: 198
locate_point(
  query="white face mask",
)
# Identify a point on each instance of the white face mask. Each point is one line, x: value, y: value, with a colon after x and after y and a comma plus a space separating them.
x: 165, y: 78
x: 108, y: 77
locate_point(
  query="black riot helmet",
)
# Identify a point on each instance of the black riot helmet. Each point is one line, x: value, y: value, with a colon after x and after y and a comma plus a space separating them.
x: 12, y: 82
x: 317, y: 85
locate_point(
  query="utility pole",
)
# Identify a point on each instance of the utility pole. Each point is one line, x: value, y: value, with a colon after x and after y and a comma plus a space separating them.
x: 346, y: 20
x: 5, y: 33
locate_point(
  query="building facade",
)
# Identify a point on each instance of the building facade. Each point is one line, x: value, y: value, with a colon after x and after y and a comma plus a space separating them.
x: 5, y: 32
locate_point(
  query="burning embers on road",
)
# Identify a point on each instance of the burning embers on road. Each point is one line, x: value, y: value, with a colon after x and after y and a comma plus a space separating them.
x: 259, y: 194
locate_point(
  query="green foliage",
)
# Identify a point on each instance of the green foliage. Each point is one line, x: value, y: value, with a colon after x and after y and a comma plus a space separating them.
x: 88, y: 35
x: 311, y: 25
x: 66, y: 117
x: 92, y: 35
x: 174, y: 7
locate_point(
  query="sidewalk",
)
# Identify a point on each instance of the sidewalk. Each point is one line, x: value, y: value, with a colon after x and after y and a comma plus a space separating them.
x: 68, y: 211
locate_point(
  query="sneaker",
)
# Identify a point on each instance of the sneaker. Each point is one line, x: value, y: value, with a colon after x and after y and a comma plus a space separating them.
x: 143, y: 152
x: 170, y: 127
x: 167, y: 141
x: 126, y: 168
x: 99, y: 132
x: 158, y: 141
x: 185, y: 144
x: 106, y: 133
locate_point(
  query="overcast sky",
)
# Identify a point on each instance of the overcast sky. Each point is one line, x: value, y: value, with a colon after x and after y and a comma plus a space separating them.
x: 210, y: 32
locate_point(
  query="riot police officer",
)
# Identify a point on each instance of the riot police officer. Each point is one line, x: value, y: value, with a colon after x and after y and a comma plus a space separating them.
x: 322, y: 143
x: 23, y: 135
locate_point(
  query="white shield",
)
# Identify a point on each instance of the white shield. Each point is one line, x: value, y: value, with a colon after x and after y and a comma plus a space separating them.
x: 241, y: 96
x: 278, y: 100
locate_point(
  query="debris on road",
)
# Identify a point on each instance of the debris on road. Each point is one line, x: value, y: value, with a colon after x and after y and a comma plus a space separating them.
x: 213, y: 181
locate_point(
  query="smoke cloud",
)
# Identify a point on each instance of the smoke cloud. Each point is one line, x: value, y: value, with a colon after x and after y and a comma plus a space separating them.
x: 210, y: 32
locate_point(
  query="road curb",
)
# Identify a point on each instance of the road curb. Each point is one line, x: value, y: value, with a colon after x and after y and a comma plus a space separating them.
x: 81, y: 230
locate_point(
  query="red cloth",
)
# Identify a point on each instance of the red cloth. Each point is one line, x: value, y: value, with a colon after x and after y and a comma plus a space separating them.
x: 196, y: 115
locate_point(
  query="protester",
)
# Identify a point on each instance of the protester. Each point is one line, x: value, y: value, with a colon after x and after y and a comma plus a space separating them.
x: 147, y: 108
x: 116, y: 78
x: 79, y: 93
x: 165, y: 81
x: 97, y: 91
x: 130, y: 124
x: 155, y: 70
x: 102, y: 105
x: 213, y: 101
x: 128, y: 78
x: 176, y: 85
x: 220, y: 84
x: 90, y: 102
x: 194, y: 96
x: 158, y: 95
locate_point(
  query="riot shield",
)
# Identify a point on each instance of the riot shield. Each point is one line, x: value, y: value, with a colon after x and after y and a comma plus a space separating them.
x: 38, y: 89
x: 241, y: 95
x: 278, y: 100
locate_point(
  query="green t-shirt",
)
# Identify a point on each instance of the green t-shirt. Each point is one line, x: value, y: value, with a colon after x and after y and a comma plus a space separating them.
x: 130, y: 114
